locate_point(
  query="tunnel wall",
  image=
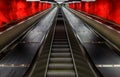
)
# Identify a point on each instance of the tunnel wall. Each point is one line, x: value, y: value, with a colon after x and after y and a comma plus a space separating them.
x: 107, y: 9
x: 12, y: 10
x: 110, y: 35
x: 12, y: 34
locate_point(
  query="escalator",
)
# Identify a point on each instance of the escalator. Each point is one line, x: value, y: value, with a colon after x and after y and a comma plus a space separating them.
x: 61, y: 55
x: 22, y: 53
x: 101, y: 53
x: 60, y: 60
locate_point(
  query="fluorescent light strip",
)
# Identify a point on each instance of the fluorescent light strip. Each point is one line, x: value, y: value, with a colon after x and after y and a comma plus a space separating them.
x: 108, y: 65
x: 14, y: 65
x: 118, y: 31
x: 1, y: 32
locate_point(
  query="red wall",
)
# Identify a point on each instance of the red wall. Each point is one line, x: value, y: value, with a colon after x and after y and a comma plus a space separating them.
x: 11, y: 10
x: 108, y: 9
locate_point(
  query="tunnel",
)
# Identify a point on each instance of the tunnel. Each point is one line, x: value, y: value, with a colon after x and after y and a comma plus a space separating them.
x: 59, y: 38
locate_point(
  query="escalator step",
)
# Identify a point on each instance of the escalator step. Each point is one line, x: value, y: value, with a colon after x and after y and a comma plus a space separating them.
x: 55, y: 66
x: 60, y: 40
x: 61, y: 60
x: 60, y: 55
x: 60, y: 46
x: 60, y: 49
x: 61, y: 73
x: 63, y: 43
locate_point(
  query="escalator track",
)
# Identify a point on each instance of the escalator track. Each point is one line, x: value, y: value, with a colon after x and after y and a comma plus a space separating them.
x: 60, y: 59
x: 22, y: 53
x: 61, y: 55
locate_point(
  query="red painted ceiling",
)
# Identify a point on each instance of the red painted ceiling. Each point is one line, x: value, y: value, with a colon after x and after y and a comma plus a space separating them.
x: 107, y: 9
x: 11, y: 10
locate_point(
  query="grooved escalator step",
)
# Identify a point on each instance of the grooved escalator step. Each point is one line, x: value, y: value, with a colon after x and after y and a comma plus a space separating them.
x: 60, y: 66
x: 60, y: 73
x: 60, y: 46
x: 60, y: 55
x: 60, y: 39
x: 60, y: 60
x: 60, y: 50
x: 60, y: 43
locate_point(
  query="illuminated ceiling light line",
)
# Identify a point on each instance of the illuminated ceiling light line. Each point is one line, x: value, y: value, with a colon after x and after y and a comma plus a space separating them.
x: 14, y: 65
x: 108, y: 65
